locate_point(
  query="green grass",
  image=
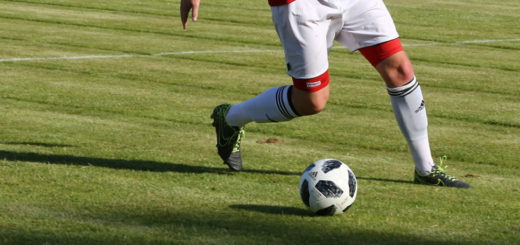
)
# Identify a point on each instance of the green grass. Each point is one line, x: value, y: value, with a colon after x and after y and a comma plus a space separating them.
x: 120, y: 150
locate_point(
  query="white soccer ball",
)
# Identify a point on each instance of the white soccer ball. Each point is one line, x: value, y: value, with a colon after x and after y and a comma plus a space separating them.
x: 328, y: 187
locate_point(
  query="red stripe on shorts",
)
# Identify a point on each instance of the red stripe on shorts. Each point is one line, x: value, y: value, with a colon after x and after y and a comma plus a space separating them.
x: 313, y: 84
x: 377, y: 53
x: 279, y: 2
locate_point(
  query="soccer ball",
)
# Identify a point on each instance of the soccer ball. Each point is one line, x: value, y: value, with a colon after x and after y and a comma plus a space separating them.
x: 328, y: 187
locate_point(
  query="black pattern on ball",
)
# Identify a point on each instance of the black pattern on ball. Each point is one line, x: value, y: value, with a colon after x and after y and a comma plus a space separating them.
x: 352, y: 184
x: 345, y: 210
x: 330, y: 165
x: 309, y: 167
x: 327, y: 211
x: 304, y: 193
x: 328, y: 189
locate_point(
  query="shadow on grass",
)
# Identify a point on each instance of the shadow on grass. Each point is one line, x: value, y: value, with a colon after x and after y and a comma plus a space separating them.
x: 270, y: 209
x: 386, y: 180
x: 139, y: 165
x: 286, y: 226
x: 142, y: 165
x: 174, y: 227
x: 36, y: 144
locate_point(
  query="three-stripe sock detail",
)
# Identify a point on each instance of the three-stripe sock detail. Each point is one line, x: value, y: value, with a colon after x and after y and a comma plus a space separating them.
x: 405, y: 89
x: 273, y: 105
x: 283, y: 102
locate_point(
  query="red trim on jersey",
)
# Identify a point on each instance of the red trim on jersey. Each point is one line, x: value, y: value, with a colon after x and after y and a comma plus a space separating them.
x: 313, y: 84
x: 279, y: 2
x: 377, y: 53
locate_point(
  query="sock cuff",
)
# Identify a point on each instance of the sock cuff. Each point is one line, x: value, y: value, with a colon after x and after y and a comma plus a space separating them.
x: 289, y: 100
x: 405, y: 89
x: 284, y: 103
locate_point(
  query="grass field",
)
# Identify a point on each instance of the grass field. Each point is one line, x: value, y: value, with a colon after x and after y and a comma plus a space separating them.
x: 105, y: 135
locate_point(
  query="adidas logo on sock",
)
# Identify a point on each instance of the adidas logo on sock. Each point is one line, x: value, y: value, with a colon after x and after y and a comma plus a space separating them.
x: 421, y: 107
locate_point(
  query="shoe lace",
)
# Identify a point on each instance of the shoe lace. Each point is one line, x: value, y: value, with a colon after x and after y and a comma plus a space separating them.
x: 441, y: 169
x: 442, y: 164
x: 236, y: 146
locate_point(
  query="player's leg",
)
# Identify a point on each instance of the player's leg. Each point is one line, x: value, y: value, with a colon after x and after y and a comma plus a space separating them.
x: 276, y: 104
x: 306, y: 63
x: 409, y: 110
x: 369, y: 28
x: 406, y: 98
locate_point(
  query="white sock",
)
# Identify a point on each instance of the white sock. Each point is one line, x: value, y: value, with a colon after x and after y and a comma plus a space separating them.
x: 410, y: 113
x: 273, y: 105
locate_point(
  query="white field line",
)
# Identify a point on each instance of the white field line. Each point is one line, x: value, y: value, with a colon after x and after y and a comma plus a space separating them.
x: 134, y: 55
x: 225, y: 51
x: 462, y: 42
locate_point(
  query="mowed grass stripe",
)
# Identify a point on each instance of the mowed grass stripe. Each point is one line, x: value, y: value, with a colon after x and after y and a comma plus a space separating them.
x: 129, y: 8
x: 473, y: 73
x: 460, y: 20
x: 217, y: 37
x: 142, y: 112
x: 504, y: 68
x: 481, y: 117
x: 141, y: 24
x: 468, y: 54
x: 241, y: 61
x: 92, y: 41
x: 352, y: 118
x: 261, y: 65
x: 355, y: 129
x: 236, y: 14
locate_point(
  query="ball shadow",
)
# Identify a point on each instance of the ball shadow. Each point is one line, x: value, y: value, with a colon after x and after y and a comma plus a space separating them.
x: 271, y: 209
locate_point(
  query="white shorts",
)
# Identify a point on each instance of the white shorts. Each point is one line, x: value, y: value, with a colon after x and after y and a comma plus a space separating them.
x: 308, y: 28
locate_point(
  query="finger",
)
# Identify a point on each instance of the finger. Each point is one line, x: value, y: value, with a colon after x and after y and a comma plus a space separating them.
x: 195, y: 13
x: 185, y: 9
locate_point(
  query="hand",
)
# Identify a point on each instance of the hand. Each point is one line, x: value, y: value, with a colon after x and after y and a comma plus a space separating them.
x: 186, y: 5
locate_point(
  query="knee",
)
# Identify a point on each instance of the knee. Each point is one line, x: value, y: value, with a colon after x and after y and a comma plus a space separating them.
x: 309, y: 103
x: 312, y: 107
x: 396, y: 70
x: 403, y: 70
